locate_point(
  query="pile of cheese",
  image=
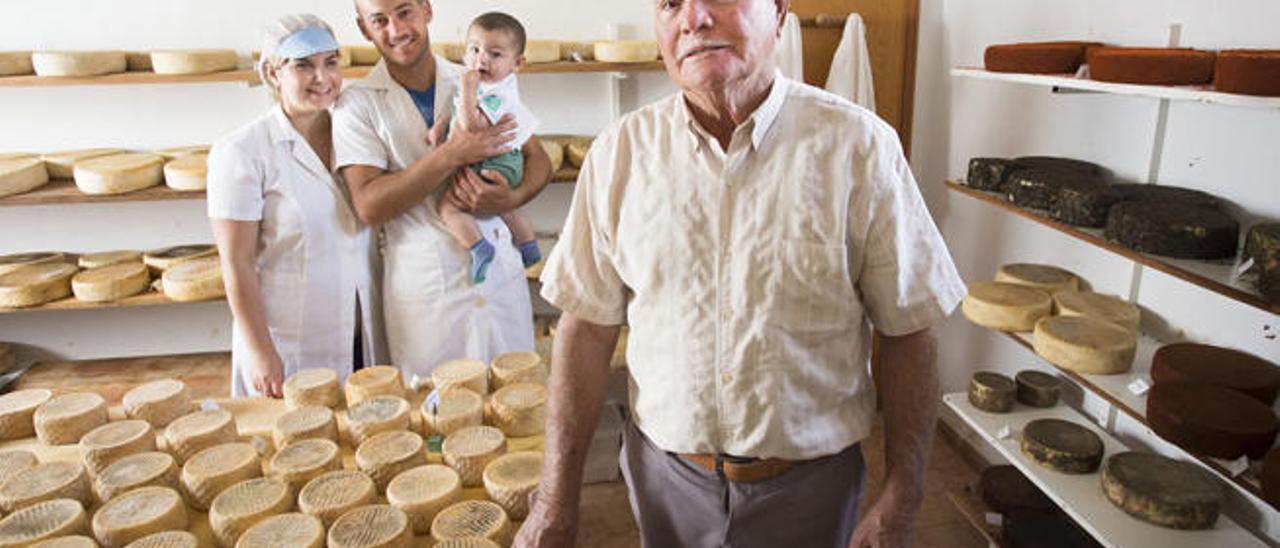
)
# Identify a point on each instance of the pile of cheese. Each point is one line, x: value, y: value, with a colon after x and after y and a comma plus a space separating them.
x: 103, y: 171
x: 551, y: 51
x: 190, y: 273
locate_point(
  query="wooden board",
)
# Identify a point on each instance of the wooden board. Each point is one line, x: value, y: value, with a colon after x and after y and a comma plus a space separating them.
x: 206, y: 375
x: 148, y: 298
x: 65, y: 192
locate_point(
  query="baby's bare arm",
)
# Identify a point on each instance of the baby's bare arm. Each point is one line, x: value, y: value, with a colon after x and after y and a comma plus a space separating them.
x: 469, y: 115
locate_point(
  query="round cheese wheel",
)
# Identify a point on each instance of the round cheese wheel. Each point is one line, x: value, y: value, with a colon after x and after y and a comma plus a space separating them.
x: 1006, y: 307
x: 520, y: 410
x: 310, y: 422
x: 516, y: 367
x: 1048, y: 278
x: 555, y: 151
x: 1062, y: 446
x: 193, y: 432
x: 541, y: 51
x: 42, y: 482
x: 213, y: 470
x: 332, y: 494
x: 47, y: 520
x: 71, y: 541
x: 139, y: 513
x: 1160, y: 490
x: 471, y: 449
x: 66, y: 418
x: 18, y: 175
x: 110, y: 283
x: 992, y: 392
x: 470, y: 374
x: 375, y: 526
x: 376, y: 415
x: 1099, y: 306
x: 173, y: 153
x: 1085, y: 345
x: 108, y: 258
x: 452, y: 51
x: 13, y: 461
x: 16, y: 63
x: 195, y: 280
x: 244, y: 504
x: 424, y: 491
x: 193, y: 61
x: 119, y: 174
x: 161, y: 259
x: 378, y: 380
x: 510, y: 479
x: 61, y: 165
x: 13, y: 261
x: 457, y: 408
x: 366, y: 55
x: 17, y: 410
x: 166, y: 539
x: 312, y: 387
x: 468, y: 542
x: 1225, y: 367
x: 78, y: 63
x: 293, y: 530
x: 576, y: 150
x: 1037, y: 389
x: 304, y: 460
x: 110, y: 442
x: 472, y: 518
x: 385, y: 455
x: 34, y: 285
x: 158, y: 402
x: 134, y: 471
x: 187, y: 173
x: 626, y: 51
x: 1211, y: 420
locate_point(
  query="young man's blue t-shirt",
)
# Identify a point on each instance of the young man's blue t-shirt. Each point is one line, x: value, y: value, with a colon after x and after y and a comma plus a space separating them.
x: 426, y: 103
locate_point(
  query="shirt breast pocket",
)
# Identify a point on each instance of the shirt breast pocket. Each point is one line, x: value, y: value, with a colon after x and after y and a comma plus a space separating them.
x: 813, y: 290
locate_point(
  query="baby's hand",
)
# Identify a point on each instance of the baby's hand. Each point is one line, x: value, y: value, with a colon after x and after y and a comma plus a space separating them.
x: 471, y: 80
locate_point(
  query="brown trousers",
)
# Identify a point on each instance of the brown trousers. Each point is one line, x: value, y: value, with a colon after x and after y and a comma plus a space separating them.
x: 681, y: 505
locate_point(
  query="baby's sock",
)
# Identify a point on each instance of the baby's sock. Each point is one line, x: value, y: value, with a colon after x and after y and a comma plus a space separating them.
x: 529, y: 253
x: 481, y: 256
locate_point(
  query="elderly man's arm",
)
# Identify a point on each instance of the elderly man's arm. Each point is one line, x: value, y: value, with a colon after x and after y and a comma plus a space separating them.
x: 909, y: 390
x: 579, y: 367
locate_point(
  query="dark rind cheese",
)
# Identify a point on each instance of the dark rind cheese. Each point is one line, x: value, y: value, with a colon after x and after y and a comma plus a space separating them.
x: 1162, y: 491
x: 1037, y: 389
x: 1004, y: 489
x: 1151, y: 66
x: 1248, y: 71
x: 1202, y: 363
x: 1038, y: 188
x: 1173, y: 229
x: 1269, y: 285
x: 1036, y: 57
x: 989, y: 173
x: 1036, y: 529
x: 1062, y: 446
x: 1271, y: 477
x: 1057, y: 163
x: 1262, y: 244
x: 991, y: 392
x: 1210, y: 420
x: 1082, y: 202
x: 1130, y: 192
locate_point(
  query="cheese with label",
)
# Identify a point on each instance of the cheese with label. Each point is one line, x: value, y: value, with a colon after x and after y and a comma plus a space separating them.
x: 457, y: 408
x: 520, y: 409
x: 1099, y: 306
x: 166, y: 539
x: 472, y: 518
x: 317, y: 386
x: 541, y: 51
x: 992, y: 392
x: 385, y: 455
x: 1162, y: 491
x: 576, y: 150
x: 112, y: 441
x: 422, y: 492
x: 162, y: 259
x: 20, y: 175
x: 173, y: 153
x: 13, y: 461
x: 110, y: 283
x: 139, y: 513
x: 376, y: 415
x: 158, y: 402
x: 61, y: 165
x: 119, y: 174
x: 510, y: 479
x: 196, y: 280
x: 1040, y: 276
x: 626, y: 51
x: 47, y: 520
x: 43, y: 482
x: 66, y: 418
x: 134, y: 471
x: 187, y: 173
x: 213, y: 470
x: 577, y: 51
x: 335, y: 493
x: 378, y: 380
x: 305, y: 423
x: 1062, y: 446
x: 1006, y: 307
x: 17, y: 412
x: 375, y: 526
x: 193, y: 61
x: 470, y: 374
x: 1085, y: 345
x: 469, y: 450
x: 244, y: 504
x: 194, y: 432
x: 14, y: 261
x: 72, y: 541
x: 292, y: 530
x: 515, y: 367
x: 34, y: 285
x: 304, y: 460
x: 365, y: 55
x: 16, y: 63
x: 78, y: 63
x: 108, y: 258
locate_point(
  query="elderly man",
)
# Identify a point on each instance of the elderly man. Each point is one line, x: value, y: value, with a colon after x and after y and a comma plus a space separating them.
x: 433, y: 311
x: 751, y: 231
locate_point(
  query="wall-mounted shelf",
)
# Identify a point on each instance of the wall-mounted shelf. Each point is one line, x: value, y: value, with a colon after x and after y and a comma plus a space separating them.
x: 1215, y: 276
x: 1196, y: 94
x: 148, y: 298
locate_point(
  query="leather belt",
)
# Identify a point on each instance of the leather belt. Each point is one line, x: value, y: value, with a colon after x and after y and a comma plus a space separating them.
x: 740, y: 469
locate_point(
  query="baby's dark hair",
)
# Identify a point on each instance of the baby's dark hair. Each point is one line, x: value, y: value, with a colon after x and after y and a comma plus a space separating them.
x: 496, y: 20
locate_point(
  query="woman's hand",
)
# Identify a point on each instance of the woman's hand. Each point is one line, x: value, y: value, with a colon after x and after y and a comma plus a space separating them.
x: 268, y: 374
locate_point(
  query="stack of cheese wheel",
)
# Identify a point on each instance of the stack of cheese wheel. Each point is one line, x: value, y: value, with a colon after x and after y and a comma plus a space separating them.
x: 516, y: 367
x: 510, y: 479
x: 61, y: 165
x: 424, y: 491
x: 1040, y: 276
x: 520, y: 410
x: 293, y: 530
x: 194, y: 432
x: 312, y: 387
x: 112, y: 441
x: 166, y: 539
x: 386, y: 455
x: 1207, y: 364
x: 304, y: 460
x: 110, y: 283
x: 335, y: 493
x: 200, y: 61
x: 160, y: 260
x: 472, y: 518
x: 139, y: 513
x: 213, y: 470
x: 456, y: 409
x: 1004, y: 306
x: 42, y: 482
x: 379, y: 380
x: 173, y: 153
x: 576, y: 149
x: 33, y: 285
x: 23, y: 174
x: 72, y: 541
x: 119, y: 173
x: 244, y: 504
x: 307, y: 422
x: 542, y: 51
x: 158, y: 402
x: 1211, y: 420
x: 626, y: 51
x: 78, y: 63
x: 9, y: 263
x: 108, y: 258
x: 64, y: 419
x: 134, y: 471
x: 13, y: 461
x: 15, y: 63
x: 47, y: 520
x: 375, y: 526
x: 1099, y: 306
x: 1085, y: 345
x: 195, y: 280
x: 187, y: 173
x: 470, y: 449
x: 470, y: 374
x: 17, y: 412
x: 376, y: 415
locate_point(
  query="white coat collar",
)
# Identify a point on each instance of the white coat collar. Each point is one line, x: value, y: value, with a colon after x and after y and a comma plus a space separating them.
x: 282, y: 131
x: 448, y: 81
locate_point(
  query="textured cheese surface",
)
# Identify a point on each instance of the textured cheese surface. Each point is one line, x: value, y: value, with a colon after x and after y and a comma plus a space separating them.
x: 315, y: 386
x: 335, y: 493
x: 365, y: 55
x: 555, y: 151
x: 376, y: 526
x: 194, y: 280
x: 308, y: 422
x: 139, y: 513
x: 193, y: 432
x: 47, y: 520
x: 193, y: 61
x: 379, y: 380
x: 1040, y: 276
x: 576, y: 150
x: 1085, y: 345
x: 1099, y: 306
x: 292, y: 530
x: 376, y: 415
x: 61, y: 165
x: 458, y: 408
x: 13, y: 461
x: 510, y: 478
x: 166, y: 539
x: 110, y: 442
x: 469, y: 450
x: 158, y: 402
x: 108, y: 258
x: 520, y: 409
x: 472, y: 518
x: 42, y: 482
x: 212, y: 470
x: 163, y: 259
x: 577, y: 51
x: 514, y: 367
x: 452, y: 51
x: 470, y: 374
x: 20, y: 175
x: 626, y: 51
x: 173, y: 153
x: 423, y: 491
x: 109, y: 283
x: 245, y: 504
x: 470, y: 542
x: 14, y: 261
x: 66, y: 418
x: 16, y: 63
x: 1161, y: 490
x: 119, y: 173
x: 541, y: 51
x: 1006, y: 307
x: 187, y: 172
x: 72, y: 541
x: 17, y: 410
x: 134, y: 471
x: 386, y: 455
x: 78, y: 63
x: 35, y: 284
x: 301, y: 461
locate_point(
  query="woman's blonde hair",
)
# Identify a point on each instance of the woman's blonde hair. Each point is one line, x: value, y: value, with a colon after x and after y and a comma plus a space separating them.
x: 277, y: 32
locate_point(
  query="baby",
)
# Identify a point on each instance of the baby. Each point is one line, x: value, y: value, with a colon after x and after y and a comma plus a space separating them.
x: 495, y: 51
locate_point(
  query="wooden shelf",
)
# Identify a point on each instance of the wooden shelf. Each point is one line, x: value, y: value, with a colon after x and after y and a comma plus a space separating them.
x: 150, y: 298
x: 1216, y: 276
x: 565, y: 175
x: 1079, y: 495
x: 65, y: 192
x: 975, y: 512
x: 1196, y: 94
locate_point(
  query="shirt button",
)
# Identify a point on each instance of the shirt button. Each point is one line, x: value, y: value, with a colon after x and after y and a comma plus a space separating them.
x: 480, y: 302
x: 726, y: 378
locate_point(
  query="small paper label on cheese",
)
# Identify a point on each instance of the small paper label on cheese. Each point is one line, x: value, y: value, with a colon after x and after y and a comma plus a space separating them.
x: 432, y: 403
x: 1242, y: 269
x: 995, y: 520
x: 1004, y: 432
x: 1139, y: 387
x: 1235, y: 467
